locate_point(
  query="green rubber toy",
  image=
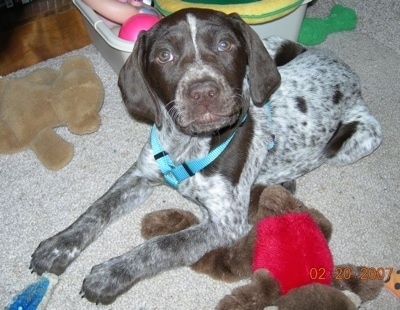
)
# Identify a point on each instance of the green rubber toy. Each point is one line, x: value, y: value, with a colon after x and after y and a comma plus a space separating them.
x: 314, y: 31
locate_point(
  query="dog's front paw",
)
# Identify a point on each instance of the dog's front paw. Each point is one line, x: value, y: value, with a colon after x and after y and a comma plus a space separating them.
x: 55, y: 254
x: 107, y: 281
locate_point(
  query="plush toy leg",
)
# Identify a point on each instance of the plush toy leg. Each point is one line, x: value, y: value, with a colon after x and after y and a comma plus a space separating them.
x: 52, y: 150
x: 316, y: 296
x: 9, y: 143
x: 259, y: 293
x: 165, y: 222
x: 229, y: 264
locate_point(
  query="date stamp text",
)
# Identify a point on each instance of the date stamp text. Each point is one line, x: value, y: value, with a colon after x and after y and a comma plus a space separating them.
x: 346, y: 273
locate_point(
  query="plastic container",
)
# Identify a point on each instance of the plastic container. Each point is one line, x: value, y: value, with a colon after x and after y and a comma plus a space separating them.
x: 116, y: 50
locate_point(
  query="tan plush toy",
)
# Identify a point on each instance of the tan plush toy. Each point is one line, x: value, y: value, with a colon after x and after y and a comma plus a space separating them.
x: 345, y: 288
x: 30, y: 107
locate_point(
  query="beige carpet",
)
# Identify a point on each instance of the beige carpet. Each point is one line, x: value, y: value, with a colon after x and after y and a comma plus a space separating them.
x: 361, y: 200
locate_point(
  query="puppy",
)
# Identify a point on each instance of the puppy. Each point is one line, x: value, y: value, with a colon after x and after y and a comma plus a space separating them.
x: 229, y: 111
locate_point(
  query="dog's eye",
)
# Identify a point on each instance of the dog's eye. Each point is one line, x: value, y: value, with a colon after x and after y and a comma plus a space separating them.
x: 164, y: 56
x: 224, y: 45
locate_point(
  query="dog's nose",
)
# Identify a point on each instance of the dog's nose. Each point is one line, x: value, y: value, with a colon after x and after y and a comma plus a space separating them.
x: 204, y: 93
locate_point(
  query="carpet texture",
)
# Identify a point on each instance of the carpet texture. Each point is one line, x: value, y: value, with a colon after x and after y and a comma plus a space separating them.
x: 361, y: 200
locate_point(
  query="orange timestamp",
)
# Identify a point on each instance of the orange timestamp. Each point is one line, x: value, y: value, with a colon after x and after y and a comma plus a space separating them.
x: 346, y: 273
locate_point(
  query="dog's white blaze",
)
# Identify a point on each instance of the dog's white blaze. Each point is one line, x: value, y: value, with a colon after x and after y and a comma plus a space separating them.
x: 193, y: 33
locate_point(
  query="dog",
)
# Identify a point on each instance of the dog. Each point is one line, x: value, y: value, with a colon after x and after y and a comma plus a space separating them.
x: 267, y: 111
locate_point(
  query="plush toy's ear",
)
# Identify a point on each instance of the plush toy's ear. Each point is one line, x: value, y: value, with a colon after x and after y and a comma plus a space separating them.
x: 263, y: 75
x: 138, y: 97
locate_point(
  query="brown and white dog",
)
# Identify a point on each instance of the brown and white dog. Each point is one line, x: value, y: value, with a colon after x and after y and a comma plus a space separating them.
x: 203, y: 78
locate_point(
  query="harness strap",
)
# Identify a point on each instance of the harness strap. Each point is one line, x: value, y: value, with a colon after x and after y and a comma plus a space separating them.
x: 174, y: 174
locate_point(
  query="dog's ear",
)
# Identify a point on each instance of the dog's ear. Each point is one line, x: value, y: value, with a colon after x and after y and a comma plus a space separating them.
x: 263, y: 74
x: 138, y: 97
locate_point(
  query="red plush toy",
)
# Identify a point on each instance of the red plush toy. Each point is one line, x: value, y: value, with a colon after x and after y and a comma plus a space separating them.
x: 285, y: 253
x: 296, y: 256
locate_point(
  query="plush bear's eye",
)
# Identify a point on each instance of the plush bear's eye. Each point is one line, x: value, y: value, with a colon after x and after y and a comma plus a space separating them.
x: 164, y: 56
x: 224, y: 45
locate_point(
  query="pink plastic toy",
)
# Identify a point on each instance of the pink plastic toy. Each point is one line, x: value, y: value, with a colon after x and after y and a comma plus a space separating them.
x: 131, y: 28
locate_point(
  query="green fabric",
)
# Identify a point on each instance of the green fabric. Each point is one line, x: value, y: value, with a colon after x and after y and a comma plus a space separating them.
x: 223, y: 2
x: 314, y: 31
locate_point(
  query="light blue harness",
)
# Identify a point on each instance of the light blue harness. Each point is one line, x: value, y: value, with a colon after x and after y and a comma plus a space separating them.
x: 174, y: 174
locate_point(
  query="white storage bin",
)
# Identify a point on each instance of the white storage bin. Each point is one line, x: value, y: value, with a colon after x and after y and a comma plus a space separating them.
x: 116, y: 50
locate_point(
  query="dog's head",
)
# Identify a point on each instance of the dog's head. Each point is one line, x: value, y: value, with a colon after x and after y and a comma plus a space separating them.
x: 196, y: 64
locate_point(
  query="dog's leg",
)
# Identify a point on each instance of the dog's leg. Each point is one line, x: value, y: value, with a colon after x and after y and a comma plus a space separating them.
x: 116, y: 276
x: 108, y: 280
x: 56, y: 253
x: 358, y: 136
x: 224, y: 222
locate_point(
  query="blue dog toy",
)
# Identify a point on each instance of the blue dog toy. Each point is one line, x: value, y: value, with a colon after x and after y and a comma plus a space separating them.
x: 36, y: 295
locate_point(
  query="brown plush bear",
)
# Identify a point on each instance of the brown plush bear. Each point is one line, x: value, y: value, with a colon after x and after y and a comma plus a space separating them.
x: 235, y: 262
x: 30, y: 107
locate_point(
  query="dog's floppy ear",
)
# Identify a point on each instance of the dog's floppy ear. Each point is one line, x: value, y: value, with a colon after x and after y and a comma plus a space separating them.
x: 138, y: 97
x: 263, y: 75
